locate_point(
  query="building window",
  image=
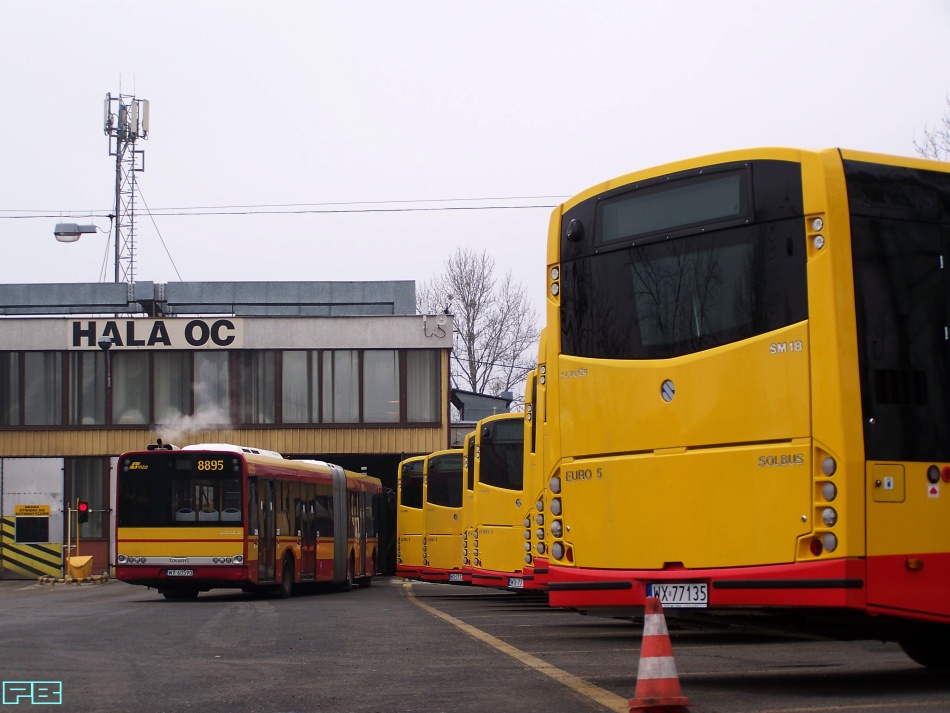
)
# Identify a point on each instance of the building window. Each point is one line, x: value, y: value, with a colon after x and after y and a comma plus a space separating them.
x: 422, y: 386
x: 9, y: 389
x: 131, y: 403
x: 43, y: 388
x: 212, y: 388
x: 172, y: 373
x: 341, y: 386
x: 89, y: 479
x: 256, y: 387
x: 381, y: 386
x: 87, y: 388
x: 296, y: 388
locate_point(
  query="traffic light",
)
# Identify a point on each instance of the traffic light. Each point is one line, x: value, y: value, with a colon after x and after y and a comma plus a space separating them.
x: 83, y: 507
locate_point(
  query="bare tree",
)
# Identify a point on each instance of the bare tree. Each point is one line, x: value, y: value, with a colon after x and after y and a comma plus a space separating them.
x: 495, y: 325
x: 936, y: 142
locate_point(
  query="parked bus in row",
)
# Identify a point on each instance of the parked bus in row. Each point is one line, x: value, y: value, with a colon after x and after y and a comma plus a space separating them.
x: 500, y: 511
x: 410, y: 517
x: 748, y: 392
x: 429, y: 518
x: 218, y: 515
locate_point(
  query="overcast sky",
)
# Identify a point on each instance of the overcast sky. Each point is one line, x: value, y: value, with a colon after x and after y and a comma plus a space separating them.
x: 415, y: 103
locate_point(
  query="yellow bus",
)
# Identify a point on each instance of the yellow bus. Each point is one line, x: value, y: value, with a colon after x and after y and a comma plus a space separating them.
x: 218, y: 515
x: 748, y: 389
x: 500, y: 514
x: 444, y: 523
x: 410, y: 517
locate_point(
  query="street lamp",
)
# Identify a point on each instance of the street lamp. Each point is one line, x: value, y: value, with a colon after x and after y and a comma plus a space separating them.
x: 70, y: 232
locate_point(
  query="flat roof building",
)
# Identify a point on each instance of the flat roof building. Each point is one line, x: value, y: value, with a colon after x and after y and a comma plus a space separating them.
x: 344, y: 372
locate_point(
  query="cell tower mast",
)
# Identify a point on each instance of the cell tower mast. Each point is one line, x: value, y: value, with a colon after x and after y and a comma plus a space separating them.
x: 126, y: 121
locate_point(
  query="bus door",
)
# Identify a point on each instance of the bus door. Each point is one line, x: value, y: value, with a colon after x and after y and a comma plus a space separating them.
x: 267, y: 540
x: 308, y: 534
x: 341, y: 526
x: 359, y: 521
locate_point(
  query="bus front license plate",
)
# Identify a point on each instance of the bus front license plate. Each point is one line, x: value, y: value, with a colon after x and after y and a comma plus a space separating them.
x: 455, y: 576
x: 180, y: 573
x: 694, y: 595
x: 515, y: 583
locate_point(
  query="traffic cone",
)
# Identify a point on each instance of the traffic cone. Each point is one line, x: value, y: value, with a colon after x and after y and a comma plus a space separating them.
x: 658, y: 686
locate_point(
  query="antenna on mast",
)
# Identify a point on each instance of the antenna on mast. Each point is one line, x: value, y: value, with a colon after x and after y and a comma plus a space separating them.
x: 126, y: 120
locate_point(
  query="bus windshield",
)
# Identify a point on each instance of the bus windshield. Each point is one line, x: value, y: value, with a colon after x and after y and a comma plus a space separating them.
x: 169, y: 489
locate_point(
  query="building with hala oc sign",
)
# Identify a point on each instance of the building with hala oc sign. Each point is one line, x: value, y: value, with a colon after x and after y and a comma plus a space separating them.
x: 345, y: 372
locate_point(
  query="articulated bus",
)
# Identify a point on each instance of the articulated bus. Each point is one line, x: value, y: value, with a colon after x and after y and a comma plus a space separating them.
x: 444, y: 523
x: 217, y: 515
x: 748, y: 386
x: 500, y: 514
x: 410, y: 517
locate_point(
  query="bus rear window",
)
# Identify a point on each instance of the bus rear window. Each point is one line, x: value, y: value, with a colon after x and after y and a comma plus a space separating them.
x: 671, y: 207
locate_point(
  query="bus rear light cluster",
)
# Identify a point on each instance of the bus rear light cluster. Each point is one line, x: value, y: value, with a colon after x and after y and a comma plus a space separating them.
x: 543, y: 371
x: 555, y: 281
x: 826, y: 516
x: 123, y: 559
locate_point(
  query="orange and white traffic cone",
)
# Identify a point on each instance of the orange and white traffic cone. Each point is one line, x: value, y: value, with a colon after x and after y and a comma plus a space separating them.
x: 658, y: 686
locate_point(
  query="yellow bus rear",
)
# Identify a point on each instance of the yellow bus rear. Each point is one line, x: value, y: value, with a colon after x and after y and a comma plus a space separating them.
x: 444, y: 523
x: 748, y: 389
x: 410, y: 517
x: 501, y: 513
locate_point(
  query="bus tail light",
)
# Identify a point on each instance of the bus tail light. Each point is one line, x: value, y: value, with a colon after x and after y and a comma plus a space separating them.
x: 556, y: 507
x: 829, y: 541
x: 816, y: 547
x: 829, y: 466
x: 829, y: 516
x: 557, y: 551
x: 555, y: 484
x: 557, y: 529
x: 829, y: 491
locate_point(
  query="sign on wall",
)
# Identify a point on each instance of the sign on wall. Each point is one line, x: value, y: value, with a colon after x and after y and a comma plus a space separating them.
x: 198, y: 333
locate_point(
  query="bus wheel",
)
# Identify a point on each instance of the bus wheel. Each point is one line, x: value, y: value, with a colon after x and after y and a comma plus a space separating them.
x: 287, y: 580
x: 347, y: 585
x: 930, y: 651
x: 180, y: 594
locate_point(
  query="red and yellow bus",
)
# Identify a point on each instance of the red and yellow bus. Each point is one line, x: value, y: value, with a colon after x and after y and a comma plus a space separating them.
x: 501, y: 511
x: 410, y: 517
x: 748, y: 391
x: 217, y: 515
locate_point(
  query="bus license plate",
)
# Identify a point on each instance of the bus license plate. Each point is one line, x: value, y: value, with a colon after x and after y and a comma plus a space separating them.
x: 455, y: 576
x: 515, y: 583
x: 694, y: 595
x: 180, y: 573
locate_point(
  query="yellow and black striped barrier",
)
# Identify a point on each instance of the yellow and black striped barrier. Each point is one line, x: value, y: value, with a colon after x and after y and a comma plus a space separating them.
x: 27, y: 560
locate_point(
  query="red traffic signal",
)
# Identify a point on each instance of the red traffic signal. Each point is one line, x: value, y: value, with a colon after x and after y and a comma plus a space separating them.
x: 83, y: 507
